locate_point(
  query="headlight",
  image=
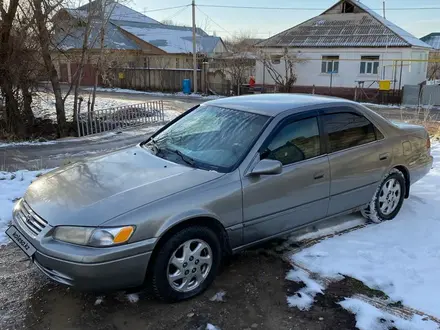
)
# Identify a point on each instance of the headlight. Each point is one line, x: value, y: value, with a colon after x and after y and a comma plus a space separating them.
x: 93, y: 236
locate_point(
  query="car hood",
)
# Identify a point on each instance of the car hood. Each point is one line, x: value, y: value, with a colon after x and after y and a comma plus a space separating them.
x: 91, y: 192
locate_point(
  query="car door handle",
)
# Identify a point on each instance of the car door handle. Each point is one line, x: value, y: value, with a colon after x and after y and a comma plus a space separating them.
x: 384, y: 156
x: 318, y: 176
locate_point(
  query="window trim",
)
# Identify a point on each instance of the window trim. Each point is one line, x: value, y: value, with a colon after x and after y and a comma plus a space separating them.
x: 345, y: 109
x: 289, y: 120
x: 324, y: 59
x: 366, y: 61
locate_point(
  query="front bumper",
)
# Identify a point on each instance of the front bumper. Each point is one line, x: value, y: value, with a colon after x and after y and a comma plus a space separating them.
x: 106, y: 276
x: 88, y: 268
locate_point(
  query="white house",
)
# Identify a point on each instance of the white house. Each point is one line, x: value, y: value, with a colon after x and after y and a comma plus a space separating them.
x: 350, y: 45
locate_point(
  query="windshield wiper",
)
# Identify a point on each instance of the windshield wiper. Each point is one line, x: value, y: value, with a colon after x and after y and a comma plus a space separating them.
x: 185, y: 158
x: 154, y: 144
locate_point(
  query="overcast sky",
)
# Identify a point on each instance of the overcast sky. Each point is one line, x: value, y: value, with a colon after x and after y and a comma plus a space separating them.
x: 264, y: 23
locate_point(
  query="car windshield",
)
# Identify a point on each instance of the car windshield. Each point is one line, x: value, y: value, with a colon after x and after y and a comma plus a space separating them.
x: 209, y: 137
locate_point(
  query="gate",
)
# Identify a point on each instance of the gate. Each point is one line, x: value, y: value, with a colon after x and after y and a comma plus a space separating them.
x: 105, y: 120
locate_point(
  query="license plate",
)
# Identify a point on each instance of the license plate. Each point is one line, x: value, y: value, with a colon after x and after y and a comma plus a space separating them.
x: 20, y: 240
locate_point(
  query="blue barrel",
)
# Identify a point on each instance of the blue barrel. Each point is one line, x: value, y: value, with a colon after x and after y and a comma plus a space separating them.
x: 186, y: 86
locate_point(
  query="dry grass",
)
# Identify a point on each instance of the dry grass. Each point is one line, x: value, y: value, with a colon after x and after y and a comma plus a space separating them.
x: 423, y: 116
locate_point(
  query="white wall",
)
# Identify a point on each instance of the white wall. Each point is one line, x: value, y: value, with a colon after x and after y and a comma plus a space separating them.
x: 309, y: 73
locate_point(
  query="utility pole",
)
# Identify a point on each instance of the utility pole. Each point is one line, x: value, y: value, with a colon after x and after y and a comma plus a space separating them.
x: 193, y: 4
x: 383, y: 7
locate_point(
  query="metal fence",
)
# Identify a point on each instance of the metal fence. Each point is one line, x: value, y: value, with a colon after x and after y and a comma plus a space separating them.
x: 416, y: 95
x: 105, y: 120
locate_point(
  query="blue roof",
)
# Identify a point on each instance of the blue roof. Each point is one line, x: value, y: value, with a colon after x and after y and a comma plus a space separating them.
x: 113, y: 39
x: 432, y: 39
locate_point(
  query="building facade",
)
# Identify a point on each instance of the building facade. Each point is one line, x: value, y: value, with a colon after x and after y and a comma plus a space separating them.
x: 347, y: 46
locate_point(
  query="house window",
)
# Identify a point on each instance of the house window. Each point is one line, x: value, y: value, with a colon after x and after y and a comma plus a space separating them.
x: 275, y: 59
x: 177, y: 63
x: 330, y: 64
x: 369, y: 64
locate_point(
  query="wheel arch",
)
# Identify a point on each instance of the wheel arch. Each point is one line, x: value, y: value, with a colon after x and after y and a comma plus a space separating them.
x: 407, y: 176
x: 206, y: 221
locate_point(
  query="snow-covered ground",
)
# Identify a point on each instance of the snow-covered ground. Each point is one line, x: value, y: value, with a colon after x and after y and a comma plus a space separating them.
x: 399, y: 257
x: 12, y: 186
x: 43, y: 104
x: 132, y: 91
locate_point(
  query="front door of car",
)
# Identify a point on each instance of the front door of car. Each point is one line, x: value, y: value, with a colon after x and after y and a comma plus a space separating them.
x: 277, y: 203
x: 358, y: 155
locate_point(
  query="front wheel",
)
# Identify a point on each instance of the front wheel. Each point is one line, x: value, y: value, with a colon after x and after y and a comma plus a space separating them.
x: 388, y: 198
x: 186, y: 264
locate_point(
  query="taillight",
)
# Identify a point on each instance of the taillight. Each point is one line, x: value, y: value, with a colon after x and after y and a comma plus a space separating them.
x: 428, y: 143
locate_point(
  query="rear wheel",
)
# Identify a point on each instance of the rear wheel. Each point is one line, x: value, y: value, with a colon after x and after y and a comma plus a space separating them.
x: 388, y: 199
x: 186, y: 264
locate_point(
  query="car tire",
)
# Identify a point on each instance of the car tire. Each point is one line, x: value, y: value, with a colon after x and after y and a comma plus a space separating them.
x: 387, y: 199
x: 186, y: 264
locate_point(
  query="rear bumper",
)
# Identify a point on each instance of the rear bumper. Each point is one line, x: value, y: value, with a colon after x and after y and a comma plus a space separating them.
x: 420, y: 169
x: 106, y: 276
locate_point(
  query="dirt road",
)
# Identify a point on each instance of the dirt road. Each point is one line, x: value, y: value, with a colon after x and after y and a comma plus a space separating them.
x: 255, y: 299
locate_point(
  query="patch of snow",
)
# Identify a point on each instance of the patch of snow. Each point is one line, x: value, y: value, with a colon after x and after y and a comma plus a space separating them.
x: 25, y: 143
x: 13, y: 185
x: 369, y: 317
x: 304, y: 297
x: 219, y: 296
x: 133, y: 91
x: 210, y: 326
x: 133, y: 298
x: 399, y: 257
x: 385, y: 106
x: 99, y: 300
x: 43, y: 105
x: 332, y: 230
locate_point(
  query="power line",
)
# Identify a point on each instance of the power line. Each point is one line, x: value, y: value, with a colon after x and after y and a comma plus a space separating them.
x: 166, y: 8
x: 213, y: 21
x: 176, y: 13
x: 311, y: 9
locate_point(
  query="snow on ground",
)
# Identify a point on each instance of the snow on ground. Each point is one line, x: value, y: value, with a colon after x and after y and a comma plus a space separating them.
x: 133, y: 298
x: 369, y: 317
x: 132, y: 91
x: 12, y: 186
x: 43, y: 104
x: 350, y: 221
x: 385, y: 106
x: 304, y: 297
x: 399, y: 257
x: 25, y: 143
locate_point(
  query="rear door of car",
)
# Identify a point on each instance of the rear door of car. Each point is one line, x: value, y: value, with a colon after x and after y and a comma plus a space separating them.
x: 276, y: 203
x: 358, y: 157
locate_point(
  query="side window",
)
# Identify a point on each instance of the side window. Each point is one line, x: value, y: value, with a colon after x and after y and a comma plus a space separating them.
x: 346, y: 130
x: 296, y: 141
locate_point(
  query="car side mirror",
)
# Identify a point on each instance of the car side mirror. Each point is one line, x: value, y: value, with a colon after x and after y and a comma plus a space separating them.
x: 267, y: 167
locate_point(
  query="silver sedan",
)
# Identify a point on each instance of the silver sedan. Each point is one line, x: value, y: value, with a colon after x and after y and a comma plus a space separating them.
x: 223, y: 176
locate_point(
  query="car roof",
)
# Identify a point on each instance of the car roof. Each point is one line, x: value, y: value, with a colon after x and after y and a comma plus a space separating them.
x: 273, y: 104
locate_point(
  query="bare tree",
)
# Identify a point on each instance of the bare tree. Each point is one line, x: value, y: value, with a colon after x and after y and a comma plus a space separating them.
x: 239, y: 63
x: 8, y: 13
x: 43, y: 10
x: 434, y: 66
x: 18, y: 68
x: 106, y: 10
x: 281, y: 67
x: 163, y: 64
